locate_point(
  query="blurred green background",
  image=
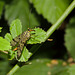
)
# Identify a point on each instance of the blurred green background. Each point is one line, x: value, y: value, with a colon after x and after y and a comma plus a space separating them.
x: 43, y: 14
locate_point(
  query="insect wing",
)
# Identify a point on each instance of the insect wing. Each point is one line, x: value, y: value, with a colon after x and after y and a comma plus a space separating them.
x: 15, y: 41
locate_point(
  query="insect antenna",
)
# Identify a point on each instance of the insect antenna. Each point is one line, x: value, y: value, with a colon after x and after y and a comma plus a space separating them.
x: 29, y: 19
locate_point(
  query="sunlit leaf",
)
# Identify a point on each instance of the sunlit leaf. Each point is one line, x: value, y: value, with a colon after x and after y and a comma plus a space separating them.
x: 37, y: 36
x: 4, y: 44
x: 25, y: 55
x: 8, y: 37
x: 15, y: 28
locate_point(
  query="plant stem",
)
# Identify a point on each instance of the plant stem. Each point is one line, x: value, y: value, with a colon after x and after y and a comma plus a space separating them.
x: 50, y: 31
x: 13, y: 70
x: 60, y: 20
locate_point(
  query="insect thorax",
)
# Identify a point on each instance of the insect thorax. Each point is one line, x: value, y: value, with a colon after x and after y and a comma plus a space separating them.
x: 26, y: 35
x: 21, y: 38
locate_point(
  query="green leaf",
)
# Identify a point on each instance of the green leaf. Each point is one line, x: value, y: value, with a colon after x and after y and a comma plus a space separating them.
x: 70, y: 37
x: 8, y: 37
x: 37, y: 36
x: 72, y: 70
x: 36, y: 67
x: 1, y: 7
x: 44, y: 67
x: 0, y: 29
x: 15, y: 28
x: 21, y: 9
x: 25, y: 55
x: 62, y: 68
x: 4, y: 44
x: 51, y: 9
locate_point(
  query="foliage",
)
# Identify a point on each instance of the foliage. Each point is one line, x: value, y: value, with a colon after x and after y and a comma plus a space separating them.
x: 8, y: 37
x: 25, y: 55
x: 70, y: 36
x: 36, y: 67
x: 20, y: 9
x: 51, y: 9
x: 15, y: 30
x: 38, y: 37
x: 4, y: 44
x: 46, y: 67
x: 40, y: 55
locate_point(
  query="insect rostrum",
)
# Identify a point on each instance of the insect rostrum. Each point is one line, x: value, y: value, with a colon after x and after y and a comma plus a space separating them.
x: 21, y: 40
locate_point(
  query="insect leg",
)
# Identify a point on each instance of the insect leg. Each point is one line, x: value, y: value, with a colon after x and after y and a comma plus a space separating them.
x: 15, y: 49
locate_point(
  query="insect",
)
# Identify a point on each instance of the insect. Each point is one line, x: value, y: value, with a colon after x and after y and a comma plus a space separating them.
x: 20, y: 40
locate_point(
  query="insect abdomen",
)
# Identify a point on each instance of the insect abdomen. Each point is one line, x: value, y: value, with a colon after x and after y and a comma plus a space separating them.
x: 23, y: 38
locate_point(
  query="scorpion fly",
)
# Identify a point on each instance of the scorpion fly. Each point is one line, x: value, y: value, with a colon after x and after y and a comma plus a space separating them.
x: 20, y: 40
